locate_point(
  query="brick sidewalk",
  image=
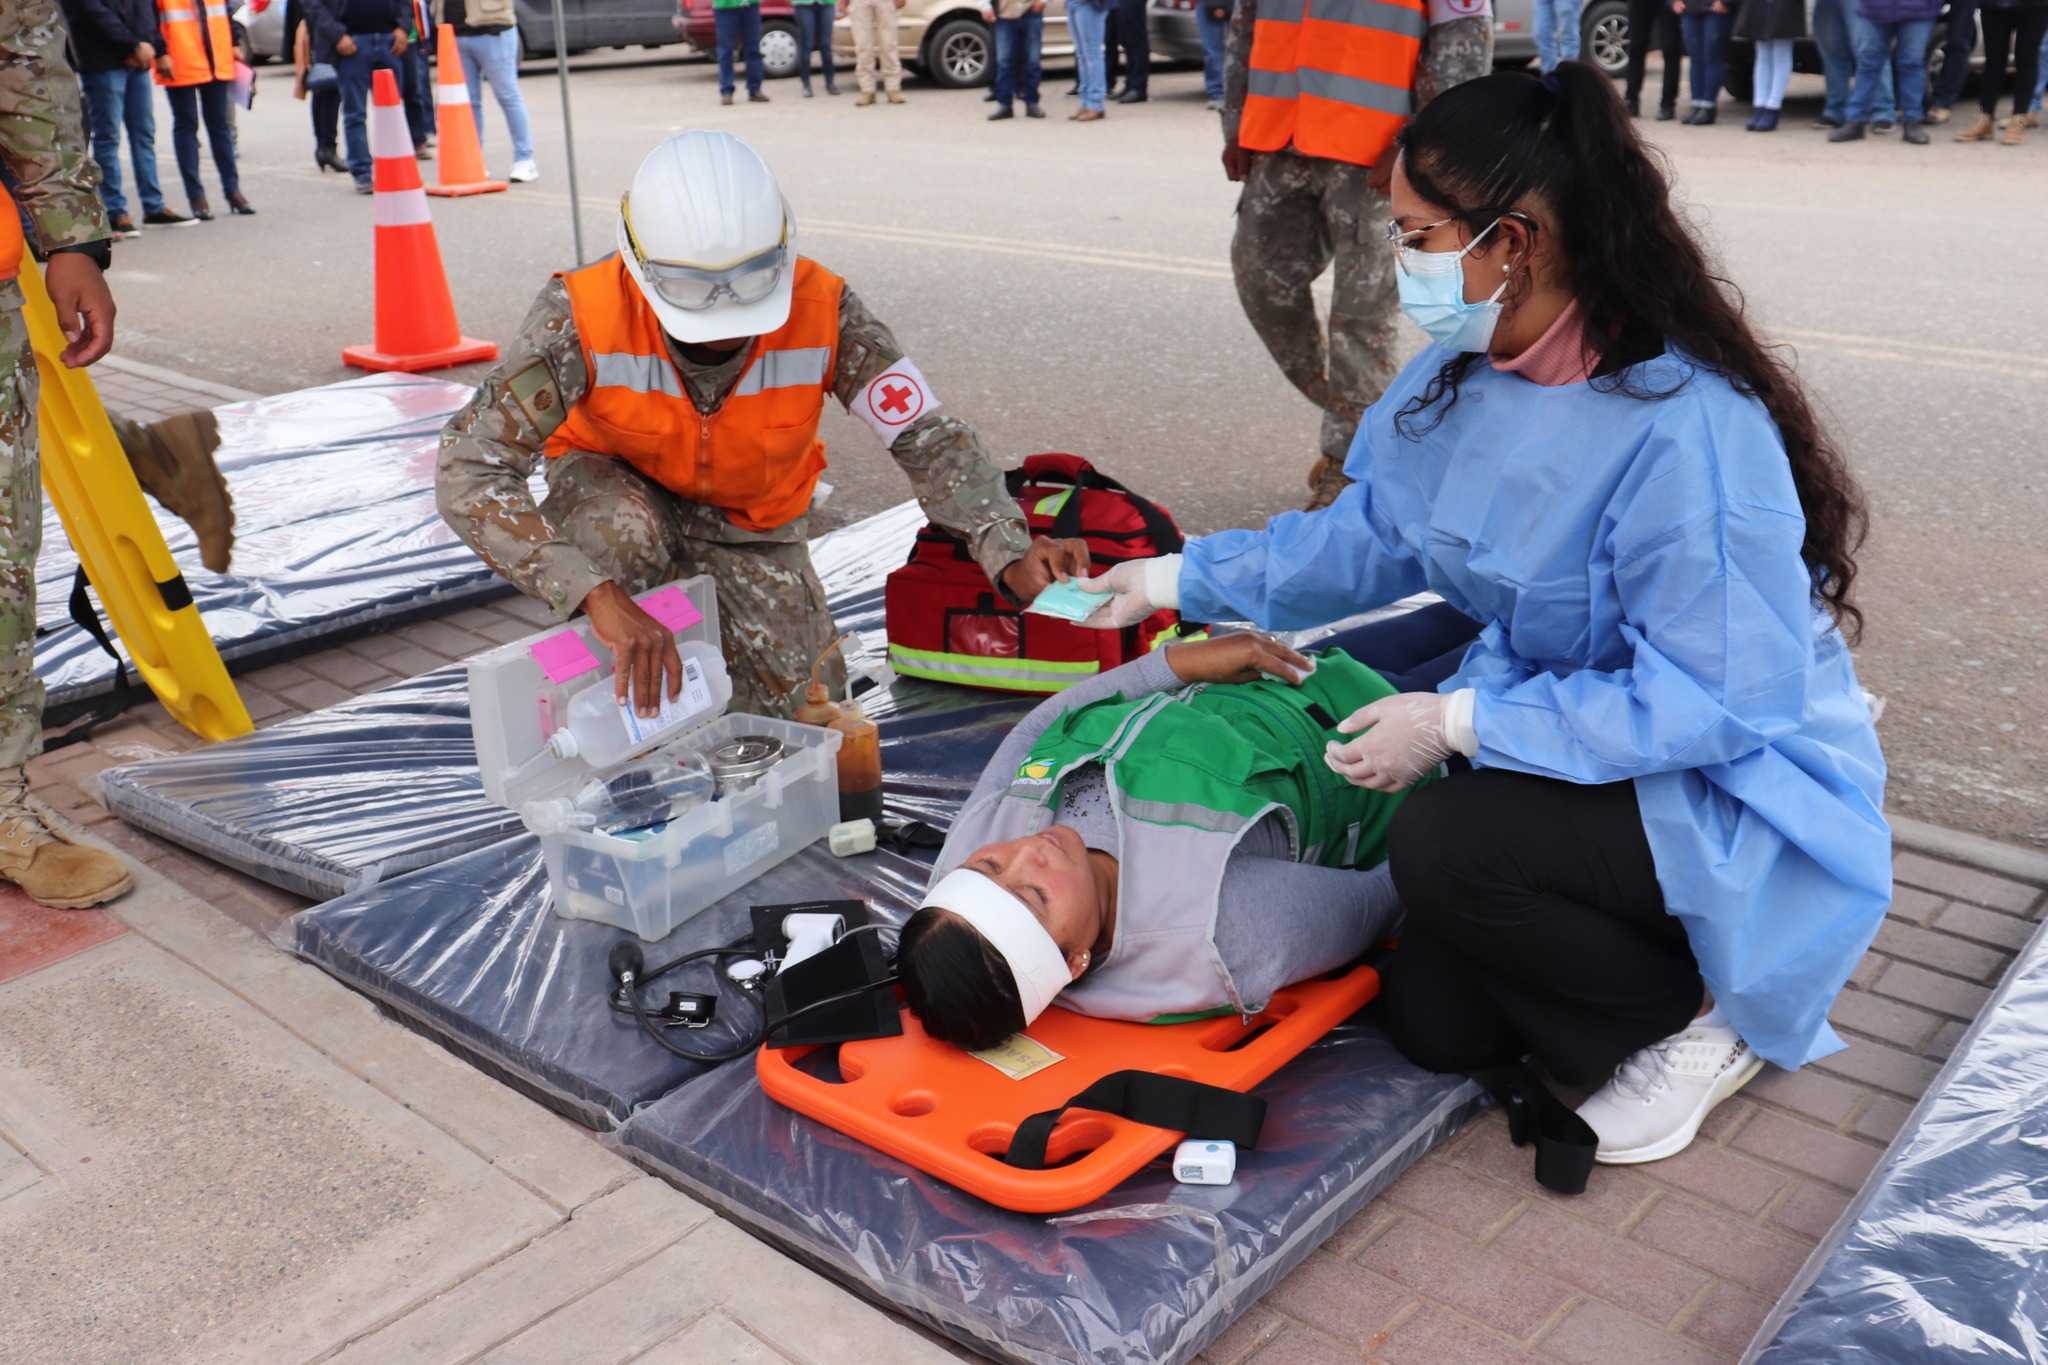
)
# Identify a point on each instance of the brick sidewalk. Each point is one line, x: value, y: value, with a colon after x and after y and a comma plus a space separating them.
x: 1465, y: 1259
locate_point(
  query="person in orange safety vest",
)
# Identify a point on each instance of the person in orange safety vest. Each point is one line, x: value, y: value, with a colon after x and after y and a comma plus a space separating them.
x: 197, y: 70
x: 1314, y: 93
x: 673, y: 392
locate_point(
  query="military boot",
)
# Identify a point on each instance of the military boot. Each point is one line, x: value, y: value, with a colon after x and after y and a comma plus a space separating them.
x: 173, y: 461
x: 52, y: 870
x: 1325, y: 480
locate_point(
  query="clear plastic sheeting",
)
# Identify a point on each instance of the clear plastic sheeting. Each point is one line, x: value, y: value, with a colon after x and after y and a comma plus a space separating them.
x: 472, y: 953
x: 1944, y: 1253
x: 331, y: 802
x: 1152, y: 1273
x: 335, y: 529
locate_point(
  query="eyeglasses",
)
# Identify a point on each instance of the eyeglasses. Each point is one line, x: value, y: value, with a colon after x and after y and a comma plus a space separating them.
x: 694, y: 288
x: 1404, y: 240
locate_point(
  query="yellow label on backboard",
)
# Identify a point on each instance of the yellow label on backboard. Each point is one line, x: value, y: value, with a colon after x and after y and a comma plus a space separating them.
x: 1019, y: 1057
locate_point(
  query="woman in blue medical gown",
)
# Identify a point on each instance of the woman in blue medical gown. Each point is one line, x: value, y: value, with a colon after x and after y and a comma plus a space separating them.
x: 1661, y: 849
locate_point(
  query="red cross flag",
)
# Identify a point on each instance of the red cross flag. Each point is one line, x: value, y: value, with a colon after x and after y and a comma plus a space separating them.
x: 894, y: 399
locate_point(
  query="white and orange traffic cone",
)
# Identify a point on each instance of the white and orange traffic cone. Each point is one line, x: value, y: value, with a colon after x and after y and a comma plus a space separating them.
x: 416, y: 327
x: 462, y: 152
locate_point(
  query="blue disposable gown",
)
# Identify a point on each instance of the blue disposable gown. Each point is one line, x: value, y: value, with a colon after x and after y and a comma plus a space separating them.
x: 1646, y: 615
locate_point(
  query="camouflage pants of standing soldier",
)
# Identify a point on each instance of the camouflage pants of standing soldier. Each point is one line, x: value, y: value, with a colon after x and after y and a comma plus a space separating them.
x: 772, y: 616
x: 1299, y: 216
x: 21, y: 535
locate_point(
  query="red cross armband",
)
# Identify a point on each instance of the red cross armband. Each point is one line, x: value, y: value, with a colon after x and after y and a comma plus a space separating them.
x: 893, y: 400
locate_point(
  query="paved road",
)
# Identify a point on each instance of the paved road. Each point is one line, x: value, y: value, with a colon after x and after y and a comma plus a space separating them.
x: 1065, y: 286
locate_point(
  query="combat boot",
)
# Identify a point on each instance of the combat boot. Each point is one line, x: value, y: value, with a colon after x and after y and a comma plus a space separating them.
x: 50, y: 869
x: 1980, y: 131
x: 1325, y: 480
x: 867, y: 97
x: 895, y: 97
x: 173, y: 461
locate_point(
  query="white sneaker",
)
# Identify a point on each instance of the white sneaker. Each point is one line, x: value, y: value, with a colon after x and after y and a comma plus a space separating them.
x: 524, y: 172
x: 1659, y: 1097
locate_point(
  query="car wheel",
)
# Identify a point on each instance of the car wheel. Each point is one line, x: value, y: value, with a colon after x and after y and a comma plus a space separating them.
x: 957, y: 54
x: 1603, y: 36
x: 778, y: 50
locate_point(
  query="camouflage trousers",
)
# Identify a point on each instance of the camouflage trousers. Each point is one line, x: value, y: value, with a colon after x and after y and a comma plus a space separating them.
x: 21, y: 535
x: 1299, y: 216
x: 772, y: 616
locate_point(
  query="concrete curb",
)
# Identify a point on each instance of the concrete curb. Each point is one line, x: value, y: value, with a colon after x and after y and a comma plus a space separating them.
x: 157, y: 373
x: 1985, y: 855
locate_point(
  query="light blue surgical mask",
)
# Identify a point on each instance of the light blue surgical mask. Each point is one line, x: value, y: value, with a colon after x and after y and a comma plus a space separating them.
x: 1432, y: 287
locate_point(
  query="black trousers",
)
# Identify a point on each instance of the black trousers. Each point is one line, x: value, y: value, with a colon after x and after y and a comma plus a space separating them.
x: 1126, y: 31
x: 2022, y: 29
x: 1535, y: 924
x: 1651, y: 23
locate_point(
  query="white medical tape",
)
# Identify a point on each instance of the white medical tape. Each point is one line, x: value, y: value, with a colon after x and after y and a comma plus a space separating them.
x: 1019, y: 939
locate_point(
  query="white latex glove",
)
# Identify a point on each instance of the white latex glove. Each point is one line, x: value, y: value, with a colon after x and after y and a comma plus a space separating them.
x: 1138, y: 587
x: 1405, y: 737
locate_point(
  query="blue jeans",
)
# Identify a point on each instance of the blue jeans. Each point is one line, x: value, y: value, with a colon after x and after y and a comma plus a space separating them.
x: 373, y: 53
x: 814, y: 34
x: 116, y: 99
x: 1834, y: 33
x: 1212, y: 31
x: 189, y: 104
x: 1017, y: 46
x: 1883, y: 94
x: 2041, y: 80
x: 739, y: 36
x: 494, y: 57
x: 1557, y: 32
x: 1091, y: 68
x: 1902, y: 48
x: 1706, y: 38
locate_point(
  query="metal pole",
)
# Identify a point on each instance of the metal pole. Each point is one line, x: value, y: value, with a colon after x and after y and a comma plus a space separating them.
x: 568, y: 129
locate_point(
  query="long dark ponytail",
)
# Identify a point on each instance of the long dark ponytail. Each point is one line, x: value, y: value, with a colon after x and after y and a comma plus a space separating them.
x: 1641, y: 280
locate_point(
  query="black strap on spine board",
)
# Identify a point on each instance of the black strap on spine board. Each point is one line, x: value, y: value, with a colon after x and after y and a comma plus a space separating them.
x: 1206, y: 1111
x: 1565, y: 1143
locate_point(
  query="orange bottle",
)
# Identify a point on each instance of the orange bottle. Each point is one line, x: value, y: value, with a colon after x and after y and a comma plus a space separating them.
x: 860, y: 764
x: 818, y: 709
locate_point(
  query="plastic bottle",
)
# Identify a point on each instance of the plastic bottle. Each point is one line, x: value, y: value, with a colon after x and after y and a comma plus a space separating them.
x: 605, y: 734
x: 818, y: 709
x: 650, y: 792
x: 860, y: 764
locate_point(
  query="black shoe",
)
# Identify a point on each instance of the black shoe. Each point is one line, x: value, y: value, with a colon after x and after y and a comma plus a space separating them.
x: 1882, y: 125
x: 1130, y: 96
x: 1666, y: 112
x: 1848, y: 132
x: 1767, y: 121
x: 1033, y: 111
x: 202, y: 210
x: 1001, y: 111
x: 807, y: 92
x: 1915, y: 133
x: 121, y: 225
x: 1703, y: 116
x: 989, y: 98
x: 239, y: 205
x: 163, y: 217
x: 831, y: 89
x: 365, y: 185
x: 327, y: 161
x: 1634, y: 104
x: 1825, y: 122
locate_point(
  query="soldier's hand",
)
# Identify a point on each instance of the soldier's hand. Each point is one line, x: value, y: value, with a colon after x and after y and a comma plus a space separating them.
x: 643, y: 649
x: 1045, y: 561
x: 1237, y: 162
x: 85, y: 306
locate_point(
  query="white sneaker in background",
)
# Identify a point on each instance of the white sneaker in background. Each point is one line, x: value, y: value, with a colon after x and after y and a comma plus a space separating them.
x: 524, y: 172
x: 1654, y: 1105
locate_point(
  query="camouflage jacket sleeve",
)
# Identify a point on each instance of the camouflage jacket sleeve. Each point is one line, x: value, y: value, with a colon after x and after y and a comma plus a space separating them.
x: 490, y: 448
x: 949, y: 471
x: 1237, y: 56
x: 1453, y: 53
x: 42, y: 128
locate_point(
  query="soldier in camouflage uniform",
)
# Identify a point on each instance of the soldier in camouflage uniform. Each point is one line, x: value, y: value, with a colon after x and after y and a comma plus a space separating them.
x: 1300, y: 214
x: 42, y: 142
x: 605, y: 525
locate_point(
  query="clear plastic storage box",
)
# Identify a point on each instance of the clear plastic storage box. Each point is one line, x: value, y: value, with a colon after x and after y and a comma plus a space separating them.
x: 645, y: 883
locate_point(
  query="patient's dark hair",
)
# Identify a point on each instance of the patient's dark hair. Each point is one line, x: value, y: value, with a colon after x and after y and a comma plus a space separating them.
x: 959, y: 986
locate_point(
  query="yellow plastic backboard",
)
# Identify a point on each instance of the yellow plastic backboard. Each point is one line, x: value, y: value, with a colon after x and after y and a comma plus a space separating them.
x: 117, y: 539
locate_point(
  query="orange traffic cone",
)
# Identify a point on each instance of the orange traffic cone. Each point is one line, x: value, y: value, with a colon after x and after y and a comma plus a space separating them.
x: 462, y: 153
x: 416, y: 327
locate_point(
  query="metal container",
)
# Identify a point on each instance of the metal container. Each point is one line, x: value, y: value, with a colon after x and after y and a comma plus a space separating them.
x: 738, y: 764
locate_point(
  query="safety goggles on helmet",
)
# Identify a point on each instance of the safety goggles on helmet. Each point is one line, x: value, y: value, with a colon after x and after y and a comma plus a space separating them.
x: 695, y: 288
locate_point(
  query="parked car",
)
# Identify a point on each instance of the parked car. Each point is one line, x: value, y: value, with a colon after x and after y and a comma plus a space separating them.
x: 1603, y: 32
x: 693, y: 19
x: 262, y: 24
x: 596, y: 23
x: 949, y: 43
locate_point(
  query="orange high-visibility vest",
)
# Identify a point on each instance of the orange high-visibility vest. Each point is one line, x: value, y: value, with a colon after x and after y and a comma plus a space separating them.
x: 12, y: 245
x: 758, y: 457
x: 1333, y: 77
x: 199, y: 52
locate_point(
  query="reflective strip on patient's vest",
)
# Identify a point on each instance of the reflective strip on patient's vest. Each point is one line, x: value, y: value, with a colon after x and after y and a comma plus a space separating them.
x: 758, y: 456
x: 198, y: 55
x: 1331, y: 77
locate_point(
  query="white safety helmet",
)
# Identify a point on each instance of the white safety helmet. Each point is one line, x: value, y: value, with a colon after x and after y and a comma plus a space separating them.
x: 708, y: 237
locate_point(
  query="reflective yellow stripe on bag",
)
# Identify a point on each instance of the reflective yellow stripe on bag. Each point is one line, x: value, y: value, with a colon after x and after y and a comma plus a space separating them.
x: 1014, y: 675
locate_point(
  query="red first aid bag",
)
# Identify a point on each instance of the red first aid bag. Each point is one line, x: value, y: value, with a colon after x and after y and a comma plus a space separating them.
x: 947, y: 622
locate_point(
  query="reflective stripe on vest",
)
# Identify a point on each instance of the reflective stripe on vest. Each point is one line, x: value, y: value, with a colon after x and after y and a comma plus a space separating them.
x: 1015, y: 675
x: 200, y: 50
x: 758, y: 456
x: 1332, y: 78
